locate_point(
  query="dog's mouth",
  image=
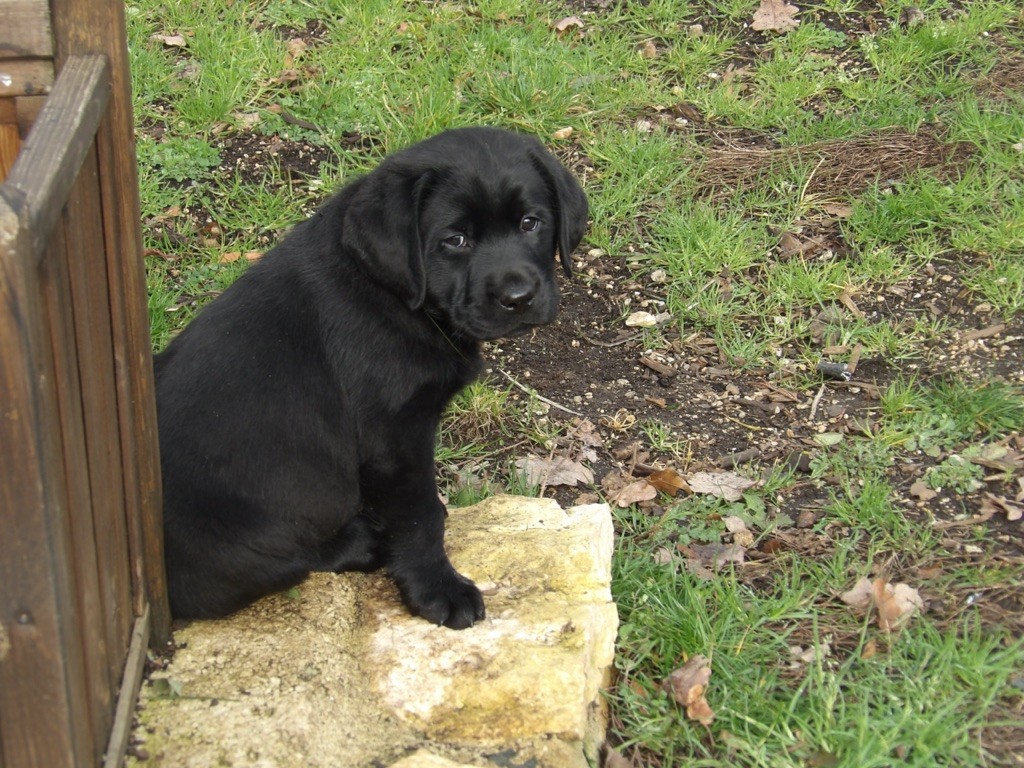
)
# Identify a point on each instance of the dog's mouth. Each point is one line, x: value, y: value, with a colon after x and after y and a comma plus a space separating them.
x: 491, y: 322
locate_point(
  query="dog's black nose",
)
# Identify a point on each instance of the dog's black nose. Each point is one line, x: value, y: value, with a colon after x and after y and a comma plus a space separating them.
x: 517, y: 296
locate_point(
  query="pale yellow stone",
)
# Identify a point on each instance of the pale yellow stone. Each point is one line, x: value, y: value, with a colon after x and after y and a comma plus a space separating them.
x: 342, y: 675
x: 425, y: 759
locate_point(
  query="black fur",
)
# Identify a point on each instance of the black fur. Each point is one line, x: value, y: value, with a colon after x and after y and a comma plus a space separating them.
x: 298, y: 411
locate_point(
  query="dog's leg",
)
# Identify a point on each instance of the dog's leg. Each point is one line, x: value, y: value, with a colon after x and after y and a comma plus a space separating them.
x: 412, y: 517
x: 429, y: 584
x: 357, y: 547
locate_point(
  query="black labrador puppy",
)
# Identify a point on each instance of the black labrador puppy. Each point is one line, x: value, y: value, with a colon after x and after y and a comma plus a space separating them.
x: 298, y: 411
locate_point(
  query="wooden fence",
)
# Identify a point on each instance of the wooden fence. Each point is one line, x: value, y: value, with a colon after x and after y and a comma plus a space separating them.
x: 82, y: 588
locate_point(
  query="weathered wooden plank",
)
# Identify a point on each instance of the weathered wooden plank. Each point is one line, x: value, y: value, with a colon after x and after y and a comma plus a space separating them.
x: 83, y: 233
x: 52, y: 154
x: 10, y: 137
x: 25, y: 77
x: 42, y: 677
x: 26, y: 30
x: 28, y: 109
x: 92, y: 632
x: 134, y: 666
x: 82, y: 28
x: 134, y: 369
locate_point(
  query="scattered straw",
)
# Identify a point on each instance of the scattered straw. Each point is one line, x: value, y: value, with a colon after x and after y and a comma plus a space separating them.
x: 836, y: 167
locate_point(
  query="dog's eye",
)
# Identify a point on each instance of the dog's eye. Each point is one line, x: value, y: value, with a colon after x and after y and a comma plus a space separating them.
x: 529, y: 223
x: 456, y: 241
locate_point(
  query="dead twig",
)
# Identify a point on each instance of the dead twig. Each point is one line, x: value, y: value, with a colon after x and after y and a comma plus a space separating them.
x: 534, y: 393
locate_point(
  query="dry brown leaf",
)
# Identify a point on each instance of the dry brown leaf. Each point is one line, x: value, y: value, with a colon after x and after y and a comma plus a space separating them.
x: 559, y: 470
x: 790, y: 244
x: 859, y: 597
x: 776, y: 16
x: 668, y: 481
x: 983, y: 333
x: 614, y: 759
x: 296, y: 47
x: 663, y: 556
x: 701, y: 711
x: 734, y: 524
x: 171, y: 41
x: 569, y: 22
x: 869, y: 650
x: 895, y: 603
x: 686, y: 686
x: 920, y: 490
x: 562, y: 133
x: 725, y: 485
x: 641, y: 319
x: 992, y: 503
x: 714, y: 555
x: 635, y: 492
x: 839, y: 210
x: 587, y: 434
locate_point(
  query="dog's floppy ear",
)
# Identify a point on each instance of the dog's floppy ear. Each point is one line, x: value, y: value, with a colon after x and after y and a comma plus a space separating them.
x: 571, y: 202
x: 381, y: 227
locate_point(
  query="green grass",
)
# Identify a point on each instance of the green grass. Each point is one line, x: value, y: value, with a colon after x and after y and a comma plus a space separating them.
x: 390, y: 74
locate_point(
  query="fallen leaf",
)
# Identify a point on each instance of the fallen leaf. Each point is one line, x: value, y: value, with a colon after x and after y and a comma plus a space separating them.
x: 562, y: 133
x: 649, y: 50
x: 663, y: 556
x: 911, y: 16
x: 734, y: 524
x: 247, y: 120
x: 637, y: 491
x: 613, y: 759
x: 811, y: 653
x: 839, y: 210
x: 919, y: 489
x: 859, y: 597
x: 895, y: 603
x: 613, y: 482
x: 714, y: 555
x: 790, y: 244
x: 776, y: 16
x: 744, y: 539
x: 641, y: 320
x: 826, y: 439
x: 686, y: 686
x: 295, y: 48
x: 569, y: 22
x: 559, y: 470
x: 668, y: 481
x: 725, y: 485
x: 171, y: 41
x: 984, y: 333
x: 587, y: 434
x: 701, y: 711
x: 992, y: 503
x: 870, y: 649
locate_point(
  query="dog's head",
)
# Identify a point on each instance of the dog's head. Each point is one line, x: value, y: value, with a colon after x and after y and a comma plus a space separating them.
x: 466, y: 225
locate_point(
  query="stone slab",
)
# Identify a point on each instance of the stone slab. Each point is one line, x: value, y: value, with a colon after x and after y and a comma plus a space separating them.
x: 338, y: 673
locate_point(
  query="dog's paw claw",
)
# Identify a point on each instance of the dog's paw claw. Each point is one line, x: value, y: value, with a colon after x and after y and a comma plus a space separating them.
x: 452, y: 601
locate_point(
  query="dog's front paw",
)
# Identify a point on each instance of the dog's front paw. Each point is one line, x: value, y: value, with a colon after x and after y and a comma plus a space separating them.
x: 442, y: 595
